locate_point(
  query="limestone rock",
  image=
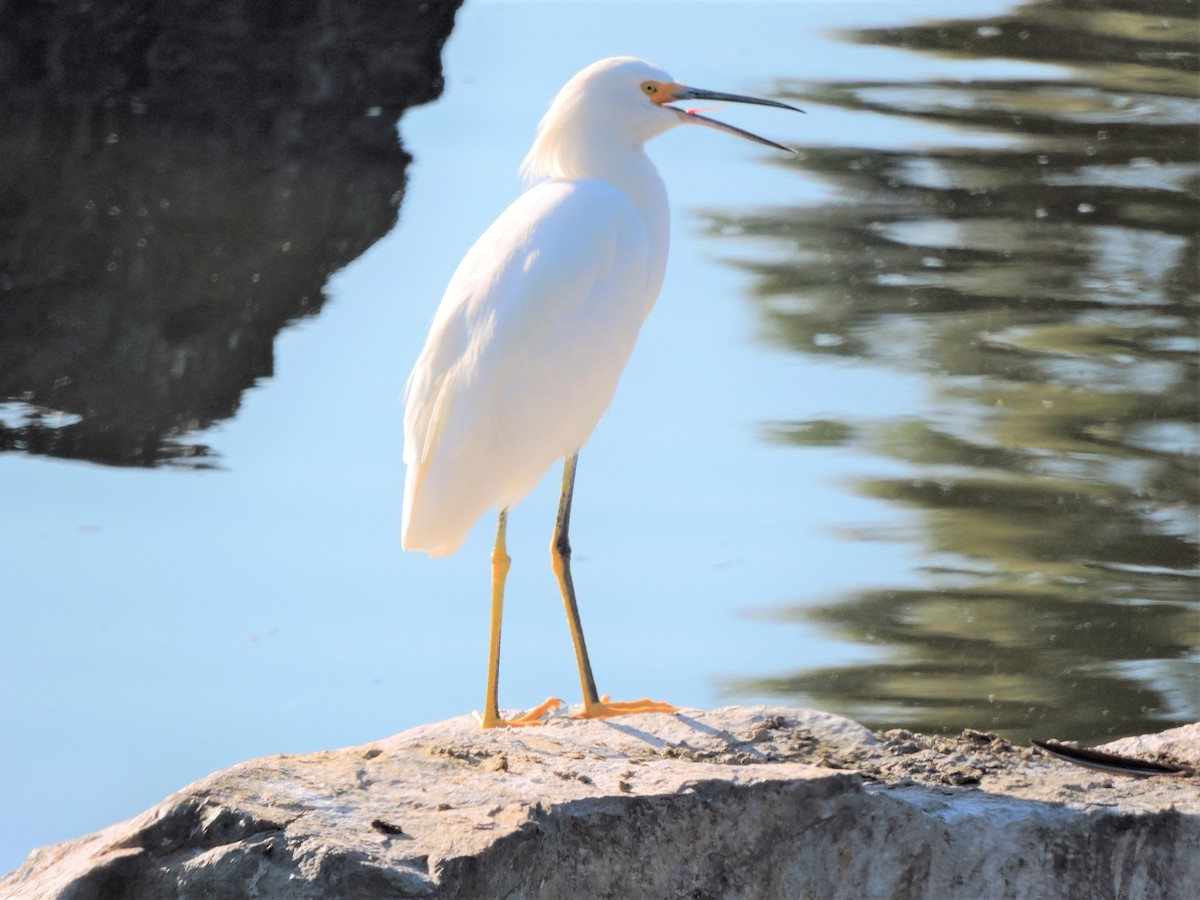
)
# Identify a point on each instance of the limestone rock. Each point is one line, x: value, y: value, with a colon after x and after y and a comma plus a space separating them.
x: 759, y: 802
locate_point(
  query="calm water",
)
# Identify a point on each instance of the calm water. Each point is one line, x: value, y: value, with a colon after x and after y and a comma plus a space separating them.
x: 912, y: 434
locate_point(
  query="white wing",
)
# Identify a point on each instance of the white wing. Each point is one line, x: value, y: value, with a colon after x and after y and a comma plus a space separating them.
x: 523, y: 355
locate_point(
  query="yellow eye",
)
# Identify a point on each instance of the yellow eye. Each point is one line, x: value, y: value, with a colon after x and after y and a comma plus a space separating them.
x: 650, y: 87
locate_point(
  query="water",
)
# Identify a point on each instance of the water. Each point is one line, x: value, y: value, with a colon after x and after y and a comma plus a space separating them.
x: 911, y: 433
x: 1036, y: 267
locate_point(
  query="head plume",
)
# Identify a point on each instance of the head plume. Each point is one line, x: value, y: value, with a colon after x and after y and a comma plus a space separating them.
x: 576, y: 122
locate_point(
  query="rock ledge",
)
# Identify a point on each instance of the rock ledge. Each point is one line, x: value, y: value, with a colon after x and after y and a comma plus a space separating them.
x: 759, y: 802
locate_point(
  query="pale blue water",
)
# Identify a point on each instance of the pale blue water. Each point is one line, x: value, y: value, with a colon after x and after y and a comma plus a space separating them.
x: 162, y: 624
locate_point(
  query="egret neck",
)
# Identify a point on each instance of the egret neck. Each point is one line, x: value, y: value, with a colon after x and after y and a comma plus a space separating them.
x: 595, y: 151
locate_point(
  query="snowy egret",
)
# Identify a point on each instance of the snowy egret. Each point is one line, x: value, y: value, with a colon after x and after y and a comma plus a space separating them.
x: 536, y: 324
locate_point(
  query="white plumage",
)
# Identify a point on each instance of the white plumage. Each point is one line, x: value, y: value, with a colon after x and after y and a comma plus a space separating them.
x: 540, y: 318
x: 537, y: 323
x: 523, y: 356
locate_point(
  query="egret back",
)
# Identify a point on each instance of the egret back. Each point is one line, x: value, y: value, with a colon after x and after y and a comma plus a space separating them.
x: 524, y: 353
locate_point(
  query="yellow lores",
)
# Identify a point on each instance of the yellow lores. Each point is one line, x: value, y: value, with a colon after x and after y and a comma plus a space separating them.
x: 536, y: 325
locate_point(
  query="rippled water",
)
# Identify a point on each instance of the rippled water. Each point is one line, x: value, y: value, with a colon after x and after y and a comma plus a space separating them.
x: 1043, y: 286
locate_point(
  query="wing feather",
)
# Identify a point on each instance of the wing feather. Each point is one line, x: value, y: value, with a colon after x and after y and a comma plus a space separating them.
x: 523, y: 355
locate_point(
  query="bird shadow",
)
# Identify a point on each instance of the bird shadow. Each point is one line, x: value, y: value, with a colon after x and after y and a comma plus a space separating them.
x: 730, y: 739
x: 638, y: 733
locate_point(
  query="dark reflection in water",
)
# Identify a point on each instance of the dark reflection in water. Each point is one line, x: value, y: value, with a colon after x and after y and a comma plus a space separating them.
x: 1046, y: 288
x: 178, y: 182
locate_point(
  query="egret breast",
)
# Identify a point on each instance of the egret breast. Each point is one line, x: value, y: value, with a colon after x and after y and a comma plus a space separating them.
x: 524, y: 354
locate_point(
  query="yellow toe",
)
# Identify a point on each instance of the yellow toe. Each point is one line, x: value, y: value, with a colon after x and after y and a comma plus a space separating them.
x: 533, y: 717
x: 606, y: 708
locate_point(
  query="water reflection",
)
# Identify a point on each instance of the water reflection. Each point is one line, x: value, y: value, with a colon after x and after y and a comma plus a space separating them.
x: 1046, y: 289
x: 176, y: 188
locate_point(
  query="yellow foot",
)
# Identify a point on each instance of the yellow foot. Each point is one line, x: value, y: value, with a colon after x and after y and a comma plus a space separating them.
x: 606, y: 708
x: 533, y: 717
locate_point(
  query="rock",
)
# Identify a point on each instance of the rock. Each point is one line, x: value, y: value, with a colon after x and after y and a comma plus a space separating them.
x: 759, y: 802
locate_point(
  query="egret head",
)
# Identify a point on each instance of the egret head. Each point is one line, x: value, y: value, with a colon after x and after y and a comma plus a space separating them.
x: 619, y: 103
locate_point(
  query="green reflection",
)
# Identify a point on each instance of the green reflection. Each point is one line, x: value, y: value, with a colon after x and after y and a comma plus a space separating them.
x: 1047, y: 290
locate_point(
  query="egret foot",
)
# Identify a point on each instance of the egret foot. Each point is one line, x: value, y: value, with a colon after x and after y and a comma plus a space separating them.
x: 606, y: 709
x: 533, y: 717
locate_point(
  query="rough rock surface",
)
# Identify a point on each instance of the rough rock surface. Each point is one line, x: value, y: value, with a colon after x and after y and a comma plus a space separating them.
x: 739, y: 802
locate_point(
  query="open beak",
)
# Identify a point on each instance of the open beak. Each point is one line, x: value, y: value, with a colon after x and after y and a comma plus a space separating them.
x: 683, y: 92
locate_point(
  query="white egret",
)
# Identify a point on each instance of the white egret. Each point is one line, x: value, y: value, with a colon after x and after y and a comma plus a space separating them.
x: 536, y: 324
